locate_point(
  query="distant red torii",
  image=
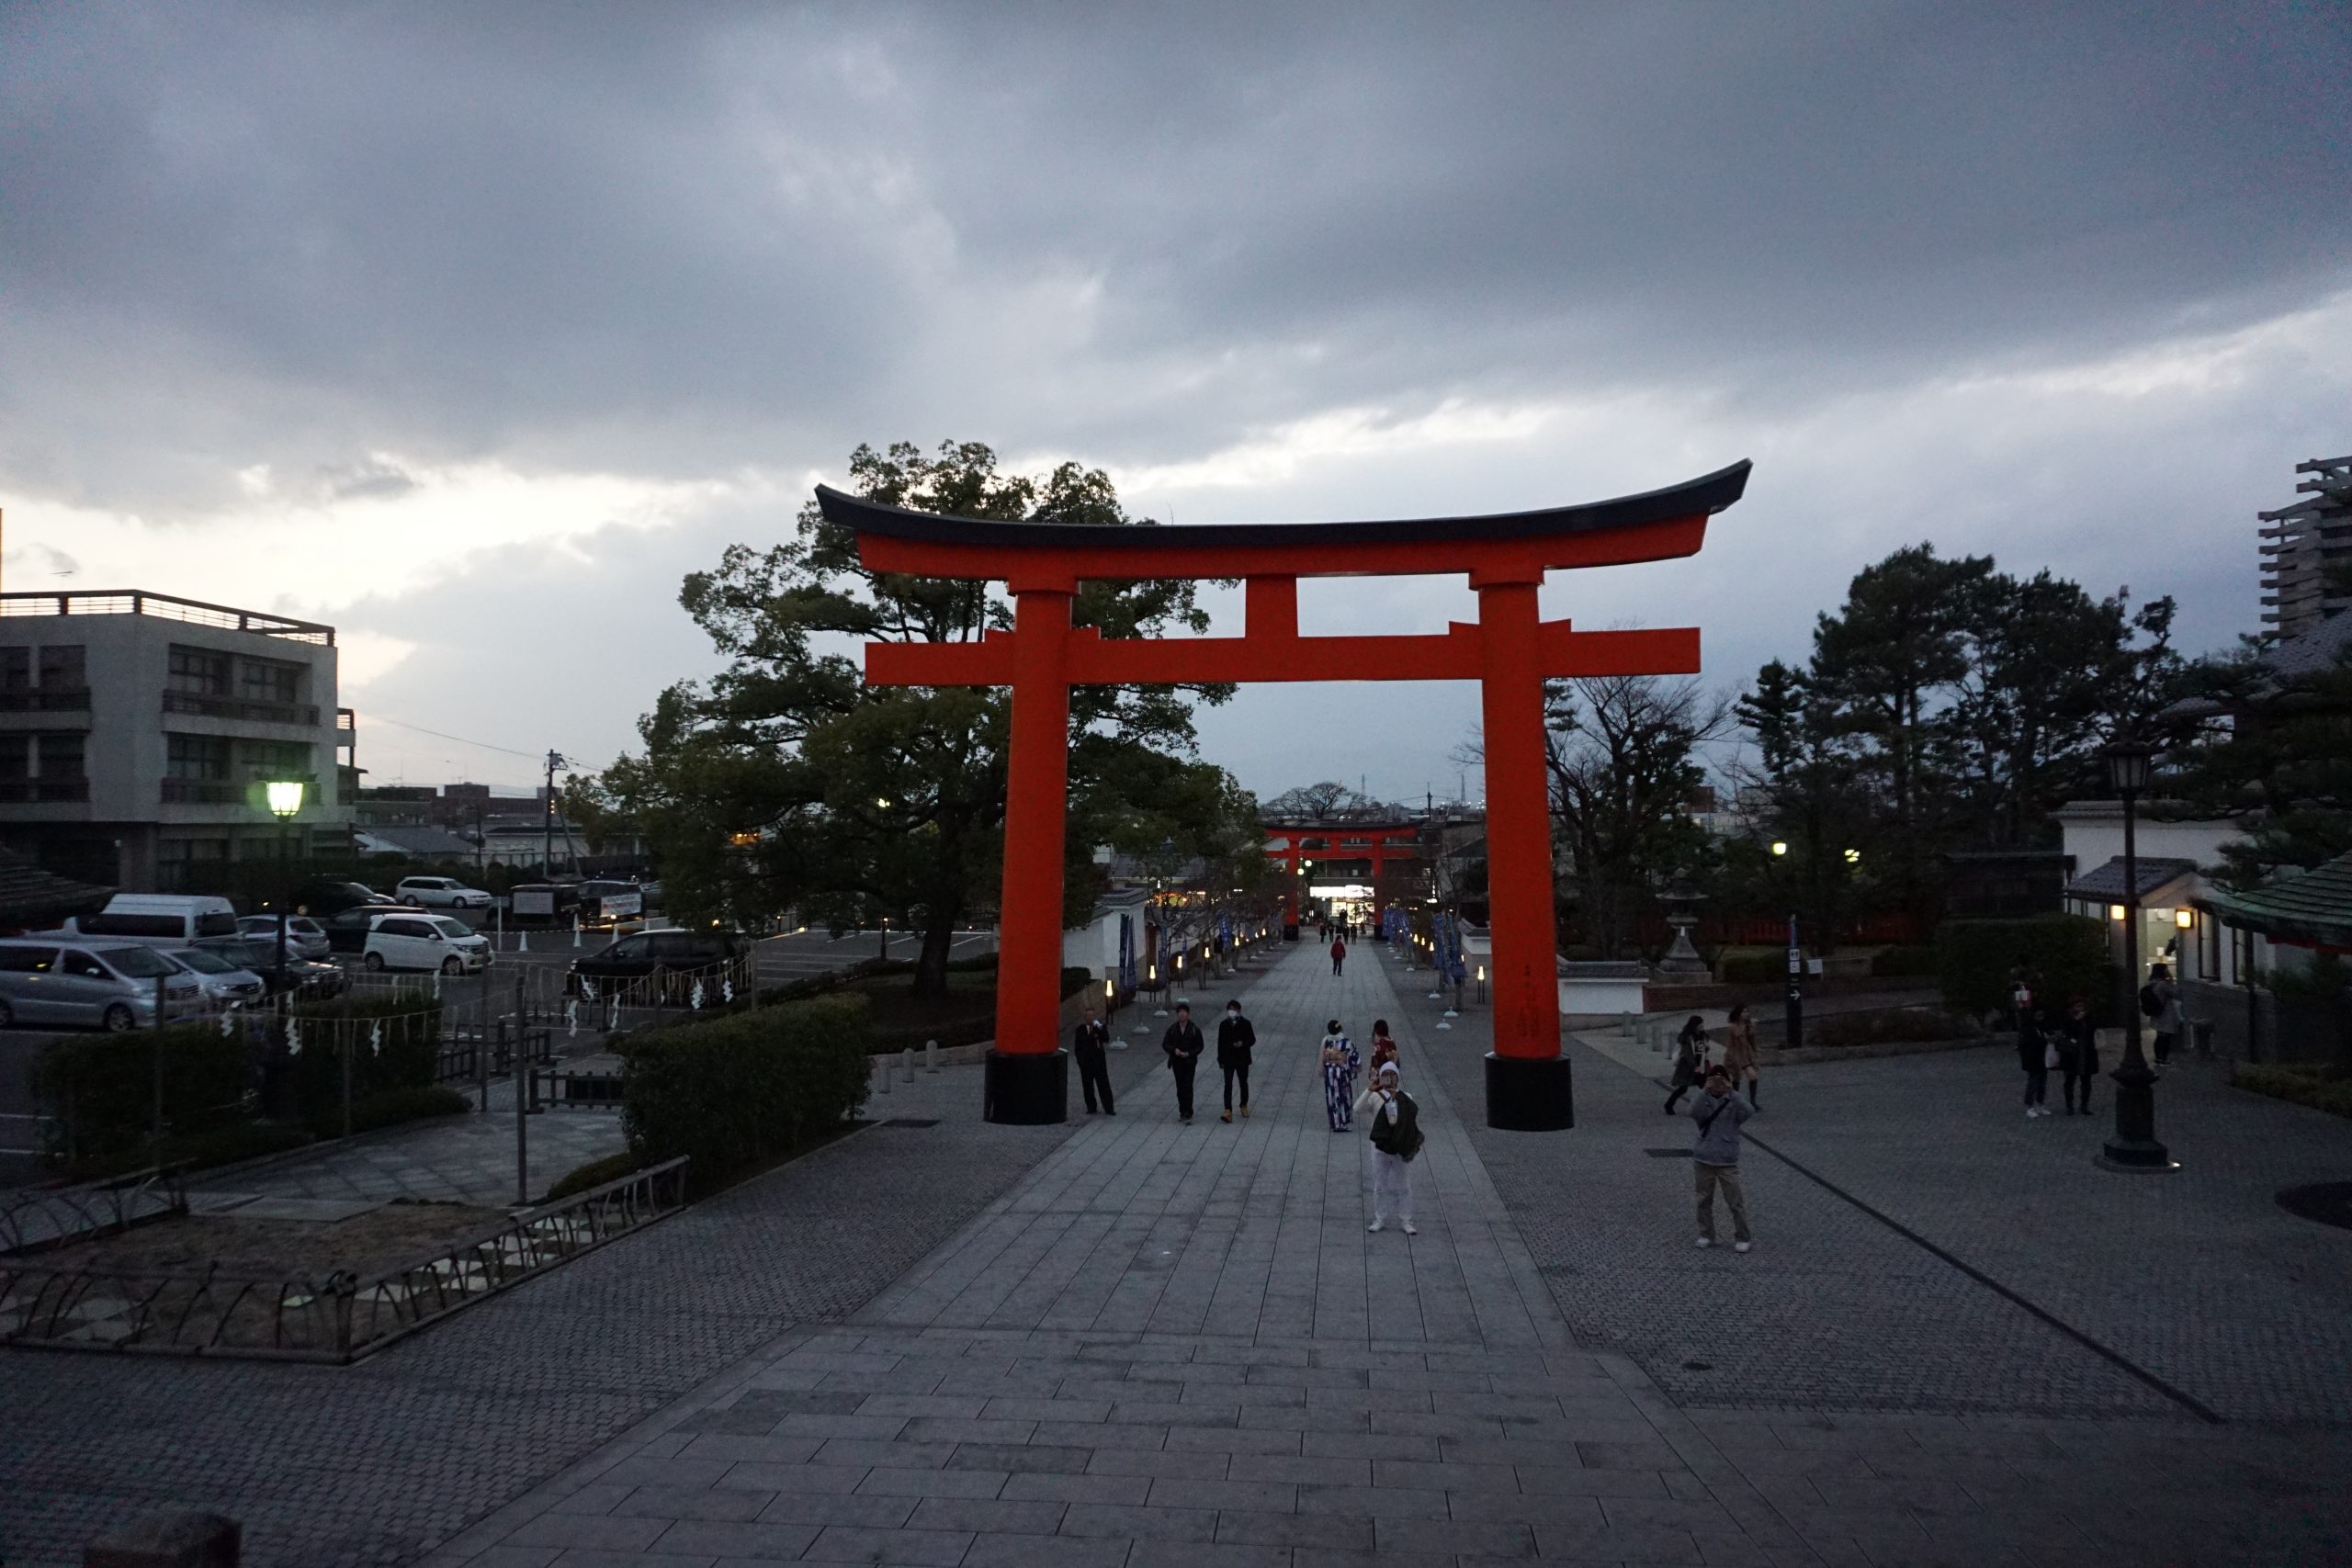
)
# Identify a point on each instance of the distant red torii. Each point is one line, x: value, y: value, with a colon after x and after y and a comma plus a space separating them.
x: 1510, y: 650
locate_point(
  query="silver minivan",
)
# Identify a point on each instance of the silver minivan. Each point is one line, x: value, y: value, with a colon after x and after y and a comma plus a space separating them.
x: 108, y: 985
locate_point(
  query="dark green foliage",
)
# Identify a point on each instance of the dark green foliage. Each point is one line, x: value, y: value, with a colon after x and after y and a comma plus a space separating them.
x: 2284, y: 760
x: 596, y: 1172
x: 391, y: 1107
x: 1903, y: 960
x: 1753, y: 968
x: 1888, y: 1026
x: 1975, y: 959
x: 403, y: 1059
x: 101, y: 1088
x: 228, y: 1145
x: 2321, y: 1087
x: 734, y: 1093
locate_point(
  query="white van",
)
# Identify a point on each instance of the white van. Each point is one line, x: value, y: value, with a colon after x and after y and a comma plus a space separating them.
x: 424, y: 941
x: 158, y: 919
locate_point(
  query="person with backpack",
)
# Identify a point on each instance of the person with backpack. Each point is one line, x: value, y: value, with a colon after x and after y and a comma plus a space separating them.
x: 2037, y: 1053
x: 1396, y: 1139
x: 2078, y: 1054
x: 2160, y: 1005
x: 1183, y: 1044
x: 1715, y: 1158
x: 1235, y: 1040
x: 1689, y: 1061
x: 1341, y: 1060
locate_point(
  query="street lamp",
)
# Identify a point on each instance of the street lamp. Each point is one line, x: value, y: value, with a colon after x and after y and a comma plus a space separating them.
x: 2129, y: 765
x: 285, y: 796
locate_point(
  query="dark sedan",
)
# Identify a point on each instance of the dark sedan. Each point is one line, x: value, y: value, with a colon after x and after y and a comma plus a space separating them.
x: 659, y: 966
x: 306, y: 979
x: 348, y: 930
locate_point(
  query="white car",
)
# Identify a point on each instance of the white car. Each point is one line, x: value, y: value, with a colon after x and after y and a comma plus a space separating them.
x: 440, y: 893
x: 305, y: 938
x: 424, y: 941
x: 225, y: 983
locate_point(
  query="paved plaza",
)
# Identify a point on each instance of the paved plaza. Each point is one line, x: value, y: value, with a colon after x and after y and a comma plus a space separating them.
x: 1129, y: 1342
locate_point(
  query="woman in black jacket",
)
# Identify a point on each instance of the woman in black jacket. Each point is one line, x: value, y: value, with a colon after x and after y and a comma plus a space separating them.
x: 2034, y: 1050
x: 2077, y: 1044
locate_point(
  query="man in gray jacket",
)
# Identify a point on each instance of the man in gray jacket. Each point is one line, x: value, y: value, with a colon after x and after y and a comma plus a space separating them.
x: 1714, y: 1159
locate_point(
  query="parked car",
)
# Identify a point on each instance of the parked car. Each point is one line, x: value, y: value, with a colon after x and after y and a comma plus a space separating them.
x: 347, y: 931
x: 678, y: 957
x: 304, y: 935
x: 158, y: 920
x: 306, y: 979
x: 426, y: 941
x: 226, y: 981
x: 328, y: 896
x: 111, y: 984
x: 440, y: 893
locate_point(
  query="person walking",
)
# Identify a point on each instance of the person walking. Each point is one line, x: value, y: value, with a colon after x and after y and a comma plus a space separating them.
x: 1715, y: 1158
x: 1739, y: 1055
x: 1235, y: 1040
x: 1689, y: 1062
x: 1340, y: 1063
x: 2037, y: 1054
x: 1396, y: 1139
x: 2160, y: 1005
x: 2077, y: 1044
x: 1383, y: 1048
x: 1093, y: 1067
x: 1338, y: 954
x: 1183, y: 1044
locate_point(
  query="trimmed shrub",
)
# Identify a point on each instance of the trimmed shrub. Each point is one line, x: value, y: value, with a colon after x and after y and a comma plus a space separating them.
x: 734, y: 1093
x: 596, y: 1173
x: 1974, y: 960
x: 1903, y: 961
x: 198, y: 1151
x: 2321, y: 1087
x: 397, y: 1055
x: 1889, y: 1026
x: 1748, y: 968
x: 389, y: 1108
x: 102, y: 1087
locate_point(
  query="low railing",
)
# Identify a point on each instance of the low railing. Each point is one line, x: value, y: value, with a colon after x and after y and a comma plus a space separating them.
x: 168, y: 607
x: 338, y: 1318
x: 37, y: 1217
x: 305, y: 715
x: 46, y: 699
x: 204, y: 791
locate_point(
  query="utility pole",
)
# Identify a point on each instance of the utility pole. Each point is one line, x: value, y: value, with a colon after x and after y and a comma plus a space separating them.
x: 546, y: 818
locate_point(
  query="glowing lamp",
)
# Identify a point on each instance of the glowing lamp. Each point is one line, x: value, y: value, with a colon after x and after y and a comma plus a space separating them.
x: 1780, y: 847
x: 2115, y: 911
x: 285, y: 797
x: 2184, y: 919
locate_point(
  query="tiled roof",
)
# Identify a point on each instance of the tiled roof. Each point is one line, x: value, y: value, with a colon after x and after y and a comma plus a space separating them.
x: 31, y: 897
x: 2107, y: 882
x: 2312, y: 906
x: 2323, y: 648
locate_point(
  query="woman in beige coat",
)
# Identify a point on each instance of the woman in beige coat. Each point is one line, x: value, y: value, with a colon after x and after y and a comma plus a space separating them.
x: 1739, y: 1053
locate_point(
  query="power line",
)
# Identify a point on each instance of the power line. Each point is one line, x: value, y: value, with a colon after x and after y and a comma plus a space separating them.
x: 439, y: 735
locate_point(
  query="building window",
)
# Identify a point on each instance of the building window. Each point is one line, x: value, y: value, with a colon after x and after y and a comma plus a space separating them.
x: 275, y: 758
x: 61, y: 755
x: 61, y: 668
x: 199, y: 672
x: 268, y: 681
x: 16, y: 669
x: 196, y: 757
x: 183, y: 865
x: 15, y: 755
x: 2208, y: 948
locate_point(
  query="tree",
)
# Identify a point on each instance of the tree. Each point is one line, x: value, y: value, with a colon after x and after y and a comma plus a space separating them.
x: 1329, y: 801
x: 2277, y: 750
x: 787, y: 781
x: 1622, y: 754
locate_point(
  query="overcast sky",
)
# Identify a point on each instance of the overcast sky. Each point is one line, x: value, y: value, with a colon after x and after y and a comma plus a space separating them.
x: 472, y: 329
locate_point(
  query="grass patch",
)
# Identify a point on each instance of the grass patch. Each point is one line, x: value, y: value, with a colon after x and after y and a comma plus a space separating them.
x: 2320, y: 1085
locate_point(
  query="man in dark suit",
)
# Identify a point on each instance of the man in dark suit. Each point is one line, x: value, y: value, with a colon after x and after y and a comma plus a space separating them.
x: 1093, y: 1070
x: 1183, y: 1044
x: 1235, y: 1040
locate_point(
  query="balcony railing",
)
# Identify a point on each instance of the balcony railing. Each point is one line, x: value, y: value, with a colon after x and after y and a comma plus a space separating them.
x: 44, y: 791
x: 305, y: 715
x: 165, y: 606
x: 205, y: 792
x: 46, y: 699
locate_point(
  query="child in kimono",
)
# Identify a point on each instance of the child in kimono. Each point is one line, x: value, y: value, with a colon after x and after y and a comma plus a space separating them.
x: 1340, y: 1064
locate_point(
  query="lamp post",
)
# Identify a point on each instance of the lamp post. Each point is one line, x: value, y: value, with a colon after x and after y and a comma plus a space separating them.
x: 1793, y: 1008
x: 285, y: 800
x: 2129, y: 764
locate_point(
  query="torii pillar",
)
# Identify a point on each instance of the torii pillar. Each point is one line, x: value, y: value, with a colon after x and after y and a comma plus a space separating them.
x: 1510, y: 651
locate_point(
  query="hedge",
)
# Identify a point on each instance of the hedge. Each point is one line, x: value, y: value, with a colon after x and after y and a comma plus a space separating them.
x: 401, y: 1057
x: 734, y: 1093
x: 2321, y: 1089
x: 391, y: 1107
x: 1903, y: 960
x: 596, y: 1173
x: 1753, y: 968
x: 102, y: 1087
x: 1974, y: 960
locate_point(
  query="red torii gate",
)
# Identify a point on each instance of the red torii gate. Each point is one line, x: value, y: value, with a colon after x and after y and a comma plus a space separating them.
x: 1378, y: 849
x: 1510, y: 650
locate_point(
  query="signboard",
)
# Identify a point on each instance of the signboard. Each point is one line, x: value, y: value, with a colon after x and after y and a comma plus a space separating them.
x: 540, y: 901
x: 1339, y: 890
x: 621, y: 906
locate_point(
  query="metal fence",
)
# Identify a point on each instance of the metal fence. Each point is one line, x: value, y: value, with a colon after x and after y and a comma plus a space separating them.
x: 337, y: 1318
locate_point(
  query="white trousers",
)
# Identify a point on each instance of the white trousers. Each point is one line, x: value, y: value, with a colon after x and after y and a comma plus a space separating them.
x: 1392, y: 1189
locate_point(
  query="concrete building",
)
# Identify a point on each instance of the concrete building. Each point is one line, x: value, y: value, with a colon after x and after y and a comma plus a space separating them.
x: 2302, y: 544
x: 137, y: 730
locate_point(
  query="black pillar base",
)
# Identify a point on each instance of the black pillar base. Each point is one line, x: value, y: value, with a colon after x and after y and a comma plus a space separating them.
x: 1290, y: 933
x: 1529, y: 1094
x: 1029, y: 1089
x: 2134, y: 1148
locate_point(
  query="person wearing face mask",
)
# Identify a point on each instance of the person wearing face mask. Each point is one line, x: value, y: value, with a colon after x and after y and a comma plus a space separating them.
x: 1234, y: 1039
x: 1396, y: 1139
